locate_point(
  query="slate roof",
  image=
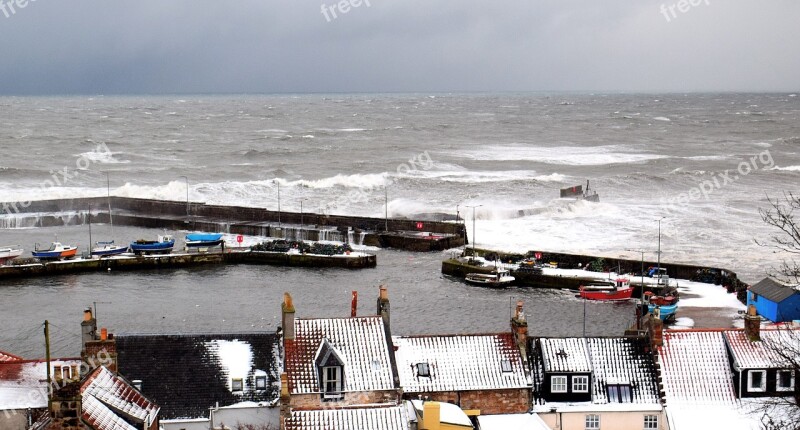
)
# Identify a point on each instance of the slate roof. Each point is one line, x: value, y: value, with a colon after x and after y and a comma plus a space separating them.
x: 762, y: 354
x: 773, y: 290
x: 23, y: 384
x: 460, y: 363
x: 361, y: 344
x: 110, y: 403
x: 188, y: 374
x: 373, y: 418
x: 616, y: 360
x: 6, y: 357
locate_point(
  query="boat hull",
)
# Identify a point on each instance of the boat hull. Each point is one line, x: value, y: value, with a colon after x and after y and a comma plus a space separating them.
x: 109, y: 251
x: 666, y: 312
x: 8, y: 254
x: 486, y: 280
x: 152, y: 248
x: 203, y: 237
x: 203, y: 244
x: 610, y: 295
x: 55, y: 255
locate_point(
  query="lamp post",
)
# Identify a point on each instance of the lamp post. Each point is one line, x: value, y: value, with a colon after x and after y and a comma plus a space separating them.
x: 473, y: 227
x: 187, y: 197
x: 457, y: 217
x: 386, y: 206
x: 658, y: 264
x: 301, y: 212
x: 279, y: 202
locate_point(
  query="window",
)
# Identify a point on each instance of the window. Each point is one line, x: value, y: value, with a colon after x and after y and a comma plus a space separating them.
x: 619, y: 393
x: 592, y: 422
x: 237, y: 385
x: 757, y: 380
x: 423, y: 369
x: 66, y: 372
x: 785, y: 380
x: 558, y: 384
x: 580, y: 384
x: 261, y: 382
x: 650, y: 422
x: 332, y: 381
x: 755, y: 297
x: 506, y: 366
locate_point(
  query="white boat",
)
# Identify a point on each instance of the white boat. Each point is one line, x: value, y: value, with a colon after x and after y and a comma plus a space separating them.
x: 8, y: 253
x: 500, y: 278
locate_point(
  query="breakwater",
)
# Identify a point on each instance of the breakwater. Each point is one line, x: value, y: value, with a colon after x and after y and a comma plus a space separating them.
x: 406, y: 234
x: 31, y: 268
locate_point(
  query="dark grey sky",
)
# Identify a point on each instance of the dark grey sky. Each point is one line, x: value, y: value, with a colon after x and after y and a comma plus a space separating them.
x: 223, y: 46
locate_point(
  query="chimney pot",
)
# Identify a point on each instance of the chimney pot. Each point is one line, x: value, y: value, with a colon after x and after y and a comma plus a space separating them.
x: 752, y: 324
x: 287, y: 317
x: 103, y: 334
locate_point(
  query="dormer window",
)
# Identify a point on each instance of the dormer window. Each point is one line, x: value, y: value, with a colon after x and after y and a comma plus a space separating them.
x: 332, y: 382
x: 580, y: 384
x: 558, y: 384
x: 423, y: 370
x: 330, y: 368
x: 237, y: 385
x: 757, y: 380
x: 785, y: 380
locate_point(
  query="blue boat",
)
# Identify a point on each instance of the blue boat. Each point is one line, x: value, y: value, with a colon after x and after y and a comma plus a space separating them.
x: 107, y: 249
x: 203, y: 240
x: 56, y: 252
x: 666, y: 312
x: 163, y: 245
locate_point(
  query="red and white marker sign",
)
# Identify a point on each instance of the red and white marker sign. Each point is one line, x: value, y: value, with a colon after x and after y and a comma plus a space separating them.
x: 240, y: 238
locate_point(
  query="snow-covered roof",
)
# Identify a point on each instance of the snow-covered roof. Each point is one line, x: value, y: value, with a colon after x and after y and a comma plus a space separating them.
x: 611, y: 361
x: 569, y: 355
x: 698, y: 384
x: 512, y: 421
x: 763, y: 354
x: 460, y: 363
x: 448, y: 413
x: 110, y: 403
x: 361, y: 343
x: 6, y: 357
x: 23, y: 384
x: 364, y: 417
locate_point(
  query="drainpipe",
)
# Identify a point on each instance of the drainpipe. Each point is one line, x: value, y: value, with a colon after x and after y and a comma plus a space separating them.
x: 740, y: 383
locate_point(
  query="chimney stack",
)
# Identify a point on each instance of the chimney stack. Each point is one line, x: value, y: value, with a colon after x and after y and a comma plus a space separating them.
x: 655, y: 329
x: 354, y: 305
x: 287, y: 319
x: 97, y: 350
x: 383, y: 306
x: 286, y: 399
x: 431, y: 416
x: 519, y: 328
x: 752, y: 324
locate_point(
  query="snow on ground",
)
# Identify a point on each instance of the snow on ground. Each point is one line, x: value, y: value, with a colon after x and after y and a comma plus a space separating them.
x: 709, y: 296
x: 683, y: 323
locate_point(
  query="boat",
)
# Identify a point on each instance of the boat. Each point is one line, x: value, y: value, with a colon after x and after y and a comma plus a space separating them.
x: 662, y: 306
x: 620, y: 289
x: 163, y: 245
x: 107, y: 249
x: 8, y: 253
x: 203, y: 240
x: 500, y: 278
x: 57, y: 251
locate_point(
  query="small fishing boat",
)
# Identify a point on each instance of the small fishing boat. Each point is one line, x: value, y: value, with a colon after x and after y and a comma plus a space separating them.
x: 663, y: 306
x: 500, y: 278
x: 163, y: 245
x: 8, y: 253
x: 203, y: 240
x: 619, y: 289
x: 107, y: 249
x: 57, y: 251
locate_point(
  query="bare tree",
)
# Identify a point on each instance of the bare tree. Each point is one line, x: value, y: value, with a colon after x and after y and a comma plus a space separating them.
x: 780, y: 215
x: 781, y: 411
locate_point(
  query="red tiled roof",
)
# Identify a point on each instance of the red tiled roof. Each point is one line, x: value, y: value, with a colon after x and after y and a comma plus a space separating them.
x: 695, y: 369
x: 762, y: 354
x: 460, y: 362
x: 109, y: 402
x: 6, y: 357
x: 362, y: 343
x: 373, y: 418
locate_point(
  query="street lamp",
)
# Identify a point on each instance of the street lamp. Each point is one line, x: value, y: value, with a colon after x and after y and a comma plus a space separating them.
x: 457, y: 214
x: 658, y: 264
x: 187, y: 196
x: 473, y: 227
x: 279, y: 201
x: 301, y: 211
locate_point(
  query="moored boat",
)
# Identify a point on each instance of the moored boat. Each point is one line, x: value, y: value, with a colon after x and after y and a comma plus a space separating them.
x: 203, y: 240
x: 163, y: 245
x: 662, y: 306
x: 619, y: 289
x: 500, y: 278
x: 57, y: 251
x: 107, y: 249
x: 8, y: 253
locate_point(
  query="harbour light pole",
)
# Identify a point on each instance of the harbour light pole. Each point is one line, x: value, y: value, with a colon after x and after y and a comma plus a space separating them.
x: 473, y: 226
x: 187, y: 196
x: 658, y: 264
x: 301, y: 212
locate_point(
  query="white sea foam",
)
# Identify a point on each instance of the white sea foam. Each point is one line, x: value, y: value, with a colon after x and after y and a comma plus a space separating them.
x: 102, y: 157
x: 662, y: 118
x: 562, y: 155
x: 367, y: 181
x: 787, y: 168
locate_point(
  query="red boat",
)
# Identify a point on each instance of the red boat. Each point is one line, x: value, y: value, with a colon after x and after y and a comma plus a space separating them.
x: 617, y: 290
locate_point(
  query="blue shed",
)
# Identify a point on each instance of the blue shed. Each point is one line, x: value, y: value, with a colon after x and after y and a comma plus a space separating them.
x: 774, y: 300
